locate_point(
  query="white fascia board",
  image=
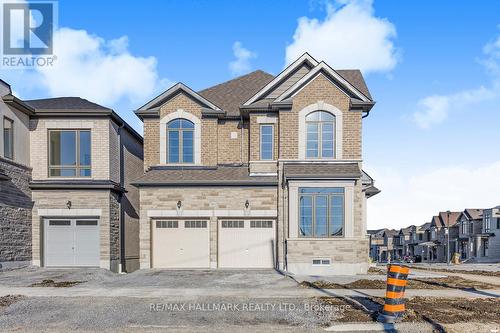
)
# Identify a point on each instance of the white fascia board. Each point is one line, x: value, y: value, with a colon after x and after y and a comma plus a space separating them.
x: 305, y: 57
x: 312, y: 74
x: 173, y: 90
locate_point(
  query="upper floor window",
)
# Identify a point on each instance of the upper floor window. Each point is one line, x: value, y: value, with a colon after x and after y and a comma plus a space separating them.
x: 266, y: 142
x: 69, y: 153
x: 321, y: 212
x: 471, y: 227
x: 180, y: 139
x: 320, y: 140
x: 8, y: 138
x: 487, y: 223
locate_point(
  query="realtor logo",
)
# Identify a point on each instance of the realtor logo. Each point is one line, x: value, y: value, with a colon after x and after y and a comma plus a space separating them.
x: 27, y: 33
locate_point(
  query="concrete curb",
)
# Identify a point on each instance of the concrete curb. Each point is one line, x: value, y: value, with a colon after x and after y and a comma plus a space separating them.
x: 379, y: 327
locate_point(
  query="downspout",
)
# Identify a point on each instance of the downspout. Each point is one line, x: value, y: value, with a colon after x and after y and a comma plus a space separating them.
x: 241, y: 139
x: 123, y: 266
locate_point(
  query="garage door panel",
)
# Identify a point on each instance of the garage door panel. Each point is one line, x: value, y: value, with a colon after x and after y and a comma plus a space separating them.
x: 59, y: 240
x: 86, y: 243
x: 181, y: 244
x: 71, y: 242
x: 246, y: 243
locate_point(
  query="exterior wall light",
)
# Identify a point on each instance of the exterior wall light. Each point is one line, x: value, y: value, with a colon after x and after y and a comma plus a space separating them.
x: 247, y: 204
x: 179, y: 204
x: 68, y: 204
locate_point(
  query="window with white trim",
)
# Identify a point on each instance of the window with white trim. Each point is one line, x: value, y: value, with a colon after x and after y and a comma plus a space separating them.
x: 167, y: 224
x: 195, y: 224
x: 487, y: 223
x: 320, y: 135
x: 266, y: 142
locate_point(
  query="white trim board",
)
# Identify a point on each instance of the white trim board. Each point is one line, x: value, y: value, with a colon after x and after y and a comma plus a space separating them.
x: 322, y: 67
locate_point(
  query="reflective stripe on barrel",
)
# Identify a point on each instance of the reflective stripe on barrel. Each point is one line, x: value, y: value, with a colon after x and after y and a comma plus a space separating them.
x: 396, y: 282
x: 394, y: 308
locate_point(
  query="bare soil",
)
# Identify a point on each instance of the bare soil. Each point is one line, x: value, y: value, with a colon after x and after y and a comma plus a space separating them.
x: 444, y: 270
x: 431, y: 283
x: 434, y: 310
x: 9, y: 300
x: 52, y: 283
x: 376, y: 271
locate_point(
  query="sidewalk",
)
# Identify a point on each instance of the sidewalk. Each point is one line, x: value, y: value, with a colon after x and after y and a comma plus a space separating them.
x: 189, y: 293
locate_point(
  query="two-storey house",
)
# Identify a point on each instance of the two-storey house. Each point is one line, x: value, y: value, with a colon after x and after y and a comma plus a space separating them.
x: 470, y: 221
x: 15, y: 175
x: 68, y: 165
x: 488, y: 239
x: 259, y: 171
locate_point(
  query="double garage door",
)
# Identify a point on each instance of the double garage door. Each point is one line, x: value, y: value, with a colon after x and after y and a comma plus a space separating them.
x: 71, y: 242
x: 240, y: 243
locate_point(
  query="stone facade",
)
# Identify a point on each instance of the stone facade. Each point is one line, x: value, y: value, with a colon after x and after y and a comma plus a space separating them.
x: 15, y: 213
x: 193, y: 200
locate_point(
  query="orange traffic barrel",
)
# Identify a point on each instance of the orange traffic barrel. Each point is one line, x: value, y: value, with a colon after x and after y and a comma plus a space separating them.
x: 394, y: 306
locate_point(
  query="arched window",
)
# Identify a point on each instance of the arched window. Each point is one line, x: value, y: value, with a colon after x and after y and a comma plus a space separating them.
x: 320, y: 141
x: 180, y: 141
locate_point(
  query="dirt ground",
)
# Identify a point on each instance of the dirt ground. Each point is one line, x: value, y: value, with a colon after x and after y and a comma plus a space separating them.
x: 52, y: 283
x: 474, y: 272
x: 9, y: 300
x: 434, y: 283
x: 428, y: 309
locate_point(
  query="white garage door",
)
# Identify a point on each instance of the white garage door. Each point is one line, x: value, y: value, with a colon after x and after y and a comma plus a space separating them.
x: 71, y: 242
x: 246, y: 243
x: 181, y: 244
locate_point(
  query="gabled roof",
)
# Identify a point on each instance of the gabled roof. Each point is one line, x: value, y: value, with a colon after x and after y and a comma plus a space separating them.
x: 152, y: 105
x: 233, y: 93
x: 323, y: 68
x: 443, y: 217
x: 435, y: 222
x: 405, y: 231
x: 473, y: 213
x: 424, y: 226
x: 390, y: 232
x: 306, y: 58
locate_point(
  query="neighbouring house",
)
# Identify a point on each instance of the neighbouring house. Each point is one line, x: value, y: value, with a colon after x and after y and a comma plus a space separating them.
x: 444, y: 230
x: 70, y: 174
x: 470, y: 224
x: 260, y: 171
x: 402, y: 243
x: 488, y: 239
x: 421, y: 241
x: 376, y: 242
x: 15, y: 175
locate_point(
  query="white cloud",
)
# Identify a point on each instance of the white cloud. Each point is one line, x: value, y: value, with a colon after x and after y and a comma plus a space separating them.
x: 414, y: 200
x: 350, y: 36
x: 102, y: 71
x: 241, y: 64
x: 435, y: 109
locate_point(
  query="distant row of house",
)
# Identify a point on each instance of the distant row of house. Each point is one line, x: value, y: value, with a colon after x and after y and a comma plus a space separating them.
x: 474, y: 234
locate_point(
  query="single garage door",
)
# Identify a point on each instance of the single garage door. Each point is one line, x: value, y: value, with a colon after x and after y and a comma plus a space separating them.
x: 71, y: 242
x: 181, y: 244
x: 246, y: 243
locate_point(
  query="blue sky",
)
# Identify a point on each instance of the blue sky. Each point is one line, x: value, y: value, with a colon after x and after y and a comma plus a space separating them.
x: 439, y: 53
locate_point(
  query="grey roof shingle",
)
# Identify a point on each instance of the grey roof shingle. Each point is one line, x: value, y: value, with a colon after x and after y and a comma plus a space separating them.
x: 231, y: 94
x: 337, y: 170
x: 355, y: 78
x: 65, y: 103
x: 215, y: 176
